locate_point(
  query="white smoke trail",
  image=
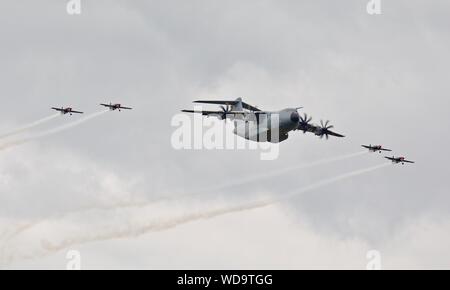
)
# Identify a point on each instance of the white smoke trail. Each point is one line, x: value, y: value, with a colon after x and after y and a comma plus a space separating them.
x: 243, y: 181
x: 9, y: 234
x: 28, y: 126
x: 247, y: 180
x: 235, y: 183
x: 134, y: 227
x: 51, y: 131
x: 282, y: 171
x: 138, y: 204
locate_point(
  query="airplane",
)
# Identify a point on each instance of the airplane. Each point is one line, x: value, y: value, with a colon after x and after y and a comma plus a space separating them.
x: 376, y: 148
x: 114, y: 107
x: 67, y: 110
x: 254, y: 124
x: 397, y: 160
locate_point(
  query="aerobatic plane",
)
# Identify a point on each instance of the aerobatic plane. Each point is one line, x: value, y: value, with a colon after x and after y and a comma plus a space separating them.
x: 273, y: 126
x: 398, y: 160
x: 67, y: 110
x: 114, y: 107
x: 376, y: 148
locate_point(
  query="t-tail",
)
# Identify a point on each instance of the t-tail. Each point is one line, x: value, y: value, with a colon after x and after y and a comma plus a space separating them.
x: 238, y: 106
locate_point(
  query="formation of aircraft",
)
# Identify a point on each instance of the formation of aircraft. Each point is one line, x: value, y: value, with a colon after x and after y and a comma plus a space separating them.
x: 114, y: 107
x: 247, y: 120
x: 67, y: 110
x: 70, y: 111
x: 376, y: 148
x: 397, y: 160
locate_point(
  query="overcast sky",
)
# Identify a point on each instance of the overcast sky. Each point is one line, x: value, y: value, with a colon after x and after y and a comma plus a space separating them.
x: 378, y: 78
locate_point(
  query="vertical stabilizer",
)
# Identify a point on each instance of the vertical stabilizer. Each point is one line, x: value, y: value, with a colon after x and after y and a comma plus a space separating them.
x: 238, y: 106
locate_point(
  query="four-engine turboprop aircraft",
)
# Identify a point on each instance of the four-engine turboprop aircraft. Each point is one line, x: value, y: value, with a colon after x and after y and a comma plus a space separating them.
x: 265, y: 126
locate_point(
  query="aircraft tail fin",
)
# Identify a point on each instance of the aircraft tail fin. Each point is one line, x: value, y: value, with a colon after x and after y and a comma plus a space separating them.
x: 237, y: 106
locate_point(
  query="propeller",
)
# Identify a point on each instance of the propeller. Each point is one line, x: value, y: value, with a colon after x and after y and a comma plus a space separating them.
x: 225, y: 111
x: 304, y: 122
x: 324, y: 128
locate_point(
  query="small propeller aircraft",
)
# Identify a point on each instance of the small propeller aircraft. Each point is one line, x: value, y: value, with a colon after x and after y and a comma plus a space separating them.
x: 249, y: 121
x: 376, y: 148
x: 114, y: 107
x: 67, y: 110
x: 397, y: 160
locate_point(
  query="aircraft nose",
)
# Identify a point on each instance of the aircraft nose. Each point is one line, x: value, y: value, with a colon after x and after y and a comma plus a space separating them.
x: 295, y: 117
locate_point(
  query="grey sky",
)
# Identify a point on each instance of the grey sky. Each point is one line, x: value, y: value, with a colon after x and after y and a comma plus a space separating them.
x: 379, y: 79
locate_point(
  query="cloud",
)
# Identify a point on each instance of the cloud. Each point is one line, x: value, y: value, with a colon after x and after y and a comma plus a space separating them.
x: 119, y: 229
x: 378, y: 79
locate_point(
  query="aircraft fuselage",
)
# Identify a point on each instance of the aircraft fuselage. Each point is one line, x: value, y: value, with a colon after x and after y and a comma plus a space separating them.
x: 268, y: 127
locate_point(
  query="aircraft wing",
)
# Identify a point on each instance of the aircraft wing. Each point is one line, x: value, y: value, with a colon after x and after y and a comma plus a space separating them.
x: 205, y: 113
x: 383, y: 149
x: 230, y: 103
x: 306, y: 128
x: 76, y: 112
x: 58, y: 109
x: 220, y: 113
x: 365, y: 146
x: 331, y: 133
x: 407, y: 161
x: 112, y: 107
x: 390, y: 158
